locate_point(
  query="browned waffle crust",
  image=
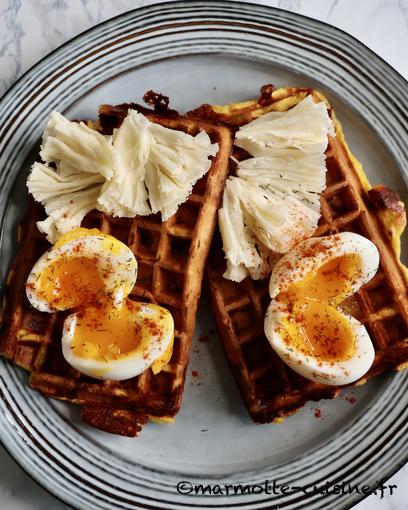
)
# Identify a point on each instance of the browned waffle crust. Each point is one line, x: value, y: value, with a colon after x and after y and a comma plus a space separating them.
x: 270, y: 388
x: 171, y: 258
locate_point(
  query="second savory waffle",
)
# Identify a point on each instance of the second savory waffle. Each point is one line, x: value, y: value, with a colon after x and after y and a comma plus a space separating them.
x: 270, y: 388
x: 171, y: 258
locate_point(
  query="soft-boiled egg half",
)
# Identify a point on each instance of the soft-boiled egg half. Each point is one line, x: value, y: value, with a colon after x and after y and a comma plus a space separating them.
x: 109, y: 336
x: 117, y: 343
x: 84, y: 266
x: 304, y: 322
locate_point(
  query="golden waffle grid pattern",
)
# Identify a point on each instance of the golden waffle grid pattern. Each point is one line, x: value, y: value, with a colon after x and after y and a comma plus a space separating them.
x: 270, y: 388
x: 171, y: 258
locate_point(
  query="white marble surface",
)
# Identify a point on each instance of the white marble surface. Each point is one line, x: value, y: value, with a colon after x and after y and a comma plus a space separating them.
x: 29, y: 29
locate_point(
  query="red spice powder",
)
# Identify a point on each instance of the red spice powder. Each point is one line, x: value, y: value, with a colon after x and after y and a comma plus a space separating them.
x: 351, y: 400
x: 150, y: 324
x: 194, y: 373
x: 317, y: 413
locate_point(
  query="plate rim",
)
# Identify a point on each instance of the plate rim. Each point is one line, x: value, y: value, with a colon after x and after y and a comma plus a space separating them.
x: 142, y: 8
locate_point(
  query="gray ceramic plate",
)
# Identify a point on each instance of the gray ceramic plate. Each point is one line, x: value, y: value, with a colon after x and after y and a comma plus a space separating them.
x: 206, y: 52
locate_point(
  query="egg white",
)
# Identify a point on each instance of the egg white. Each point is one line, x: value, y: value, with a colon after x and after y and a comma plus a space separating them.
x: 292, y: 268
x: 126, y: 365
x: 112, y: 254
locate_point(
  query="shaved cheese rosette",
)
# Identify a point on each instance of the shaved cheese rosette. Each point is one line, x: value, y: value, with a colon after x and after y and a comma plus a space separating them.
x: 142, y: 168
x: 156, y: 168
x: 177, y: 161
x: 77, y: 145
x: 244, y: 254
x: 303, y: 127
x: 273, y: 202
x: 125, y: 194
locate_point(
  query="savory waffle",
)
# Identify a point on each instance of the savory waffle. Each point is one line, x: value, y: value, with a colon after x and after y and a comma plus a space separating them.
x: 270, y: 388
x: 171, y: 258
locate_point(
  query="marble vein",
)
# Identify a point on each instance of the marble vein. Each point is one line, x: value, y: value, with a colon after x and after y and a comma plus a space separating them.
x: 11, y: 33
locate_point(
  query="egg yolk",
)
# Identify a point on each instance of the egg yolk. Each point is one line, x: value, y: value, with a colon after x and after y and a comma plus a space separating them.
x: 102, y: 331
x: 71, y: 281
x: 331, y: 282
x: 319, y: 330
x: 314, y: 326
x: 106, y: 333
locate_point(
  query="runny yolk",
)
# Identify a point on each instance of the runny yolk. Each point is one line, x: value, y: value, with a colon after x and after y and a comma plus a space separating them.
x: 105, y: 333
x: 318, y: 329
x: 331, y: 282
x: 102, y: 331
x: 72, y: 281
x: 314, y: 325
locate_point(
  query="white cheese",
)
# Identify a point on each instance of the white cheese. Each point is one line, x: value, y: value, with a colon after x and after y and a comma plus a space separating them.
x: 239, y: 242
x: 125, y: 195
x: 277, y: 192
x: 177, y: 161
x: 303, y: 127
x: 75, y: 143
x: 67, y: 212
x: 67, y: 195
x: 142, y: 168
x: 155, y: 168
